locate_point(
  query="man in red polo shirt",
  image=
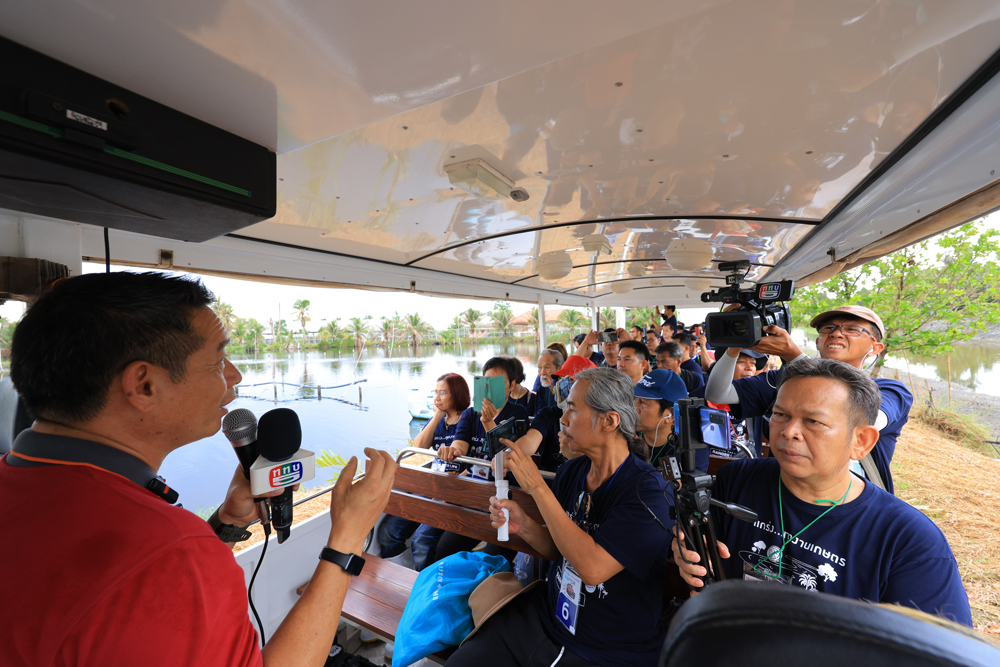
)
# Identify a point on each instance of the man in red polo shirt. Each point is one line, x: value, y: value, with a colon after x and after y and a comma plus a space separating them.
x: 119, y: 370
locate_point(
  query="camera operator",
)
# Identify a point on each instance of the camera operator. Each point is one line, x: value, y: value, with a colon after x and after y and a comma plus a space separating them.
x: 850, y: 334
x: 669, y: 357
x: 121, y: 369
x: 603, y: 600
x: 669, y: 317
x: 820, y: 526
x: 608, y: 356
x: 655, y: 396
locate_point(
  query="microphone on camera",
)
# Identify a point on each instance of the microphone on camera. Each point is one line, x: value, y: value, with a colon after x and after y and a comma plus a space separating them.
x: 240, y: 428
x: 281, y: 464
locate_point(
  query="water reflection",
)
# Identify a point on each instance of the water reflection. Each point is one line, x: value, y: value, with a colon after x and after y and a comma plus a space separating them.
x: 975, y: 366
x: 345, y: 402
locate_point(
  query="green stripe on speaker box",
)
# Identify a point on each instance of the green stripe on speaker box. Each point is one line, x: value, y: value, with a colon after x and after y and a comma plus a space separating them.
x: 118, y: 152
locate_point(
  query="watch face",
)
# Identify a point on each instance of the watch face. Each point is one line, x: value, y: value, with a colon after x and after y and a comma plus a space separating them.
x: 350, y: 563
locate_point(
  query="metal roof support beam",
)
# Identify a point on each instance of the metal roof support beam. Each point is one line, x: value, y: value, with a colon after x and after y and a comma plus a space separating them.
x: 542, y: 344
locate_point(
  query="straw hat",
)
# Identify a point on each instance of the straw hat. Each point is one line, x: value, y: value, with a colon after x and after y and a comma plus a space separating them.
x: 491, y: 596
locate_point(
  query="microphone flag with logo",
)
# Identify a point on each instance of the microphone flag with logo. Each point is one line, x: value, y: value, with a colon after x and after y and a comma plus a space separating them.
x: 281, y: 464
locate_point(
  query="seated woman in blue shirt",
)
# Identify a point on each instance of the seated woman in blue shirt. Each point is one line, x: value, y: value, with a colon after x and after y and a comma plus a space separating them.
x: 451, y: 398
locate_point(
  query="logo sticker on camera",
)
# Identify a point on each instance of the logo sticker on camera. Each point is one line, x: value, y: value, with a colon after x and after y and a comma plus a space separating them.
x: 770, y: 291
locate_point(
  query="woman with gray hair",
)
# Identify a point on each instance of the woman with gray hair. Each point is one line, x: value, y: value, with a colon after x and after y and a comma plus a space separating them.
x: 603, y: 601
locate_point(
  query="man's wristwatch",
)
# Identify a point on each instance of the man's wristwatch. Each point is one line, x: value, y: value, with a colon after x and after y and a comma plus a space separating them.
x: 349, y: 562
x: 227, y: 532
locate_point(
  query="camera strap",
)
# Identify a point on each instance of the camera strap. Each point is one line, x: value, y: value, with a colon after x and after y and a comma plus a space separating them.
x: 871, y: 471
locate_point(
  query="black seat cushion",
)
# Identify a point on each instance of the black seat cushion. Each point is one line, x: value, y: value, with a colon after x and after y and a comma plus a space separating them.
x: 14, y: 417
x: 737, y: 623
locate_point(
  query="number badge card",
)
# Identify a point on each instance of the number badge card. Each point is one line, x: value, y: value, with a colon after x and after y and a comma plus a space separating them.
x: 568, y: 604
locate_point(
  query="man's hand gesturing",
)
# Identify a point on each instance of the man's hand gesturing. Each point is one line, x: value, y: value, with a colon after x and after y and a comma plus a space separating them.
x: 354, y: 508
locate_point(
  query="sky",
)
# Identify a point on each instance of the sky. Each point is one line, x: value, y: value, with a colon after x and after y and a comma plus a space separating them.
x: 264, y: 300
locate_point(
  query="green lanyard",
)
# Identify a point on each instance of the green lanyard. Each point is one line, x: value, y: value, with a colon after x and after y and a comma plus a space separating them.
x: 781, y: 515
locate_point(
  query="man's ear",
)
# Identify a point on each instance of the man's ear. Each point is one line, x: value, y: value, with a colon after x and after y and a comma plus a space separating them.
x: 610, y: 422
x: 877, y: 348
x: 863, y: 441
x: 139, y: 385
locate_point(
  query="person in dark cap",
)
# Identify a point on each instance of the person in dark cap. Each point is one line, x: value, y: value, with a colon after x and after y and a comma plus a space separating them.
x: 655, y: 396
x: 851, y: 334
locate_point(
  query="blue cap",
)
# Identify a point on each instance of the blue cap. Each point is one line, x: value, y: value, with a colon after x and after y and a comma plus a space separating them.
x: 753, y: 353
x: 661, y: 384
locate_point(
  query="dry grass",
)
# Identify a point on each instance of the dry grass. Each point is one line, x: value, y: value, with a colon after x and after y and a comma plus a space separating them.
x: 957, y: 489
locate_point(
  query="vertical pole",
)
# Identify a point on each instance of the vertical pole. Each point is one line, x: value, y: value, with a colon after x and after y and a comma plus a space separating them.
x: 620, y: 318
x: 949, y: 381
x: 541, y: 323
x: 319, y: 392
x: 275, y: 385
x: 596, y: 319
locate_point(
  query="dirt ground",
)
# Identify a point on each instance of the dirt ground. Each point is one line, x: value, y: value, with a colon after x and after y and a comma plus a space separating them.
x: 957, y: 488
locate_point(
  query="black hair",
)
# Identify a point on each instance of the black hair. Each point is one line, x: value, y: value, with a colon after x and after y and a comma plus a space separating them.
x: 639, y: 348
x: 683, y: 338
x: 577, y: 339
x: 503, y: 363
x: 670, y: 347
x: 517, y: 369
x: 610, y: 330
x: 78, y: 337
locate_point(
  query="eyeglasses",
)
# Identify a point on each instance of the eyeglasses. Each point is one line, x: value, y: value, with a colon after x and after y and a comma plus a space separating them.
x: 441, y: 393
x: 850, y: 330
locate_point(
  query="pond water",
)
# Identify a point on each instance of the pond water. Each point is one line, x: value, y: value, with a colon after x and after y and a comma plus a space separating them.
x: 372, y: 413
x: 974, y: 365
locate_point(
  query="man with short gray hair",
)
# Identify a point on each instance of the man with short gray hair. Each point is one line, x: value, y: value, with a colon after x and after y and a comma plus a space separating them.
x: 820, y: 526
x: 603, y: 599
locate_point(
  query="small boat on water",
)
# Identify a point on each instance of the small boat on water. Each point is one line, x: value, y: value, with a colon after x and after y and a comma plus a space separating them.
x: 418, y: 411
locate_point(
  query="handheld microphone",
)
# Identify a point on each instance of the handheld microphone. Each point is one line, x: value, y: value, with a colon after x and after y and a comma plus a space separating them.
x: 503, y: 493
x: 281, y: 464
x: 240, y: 428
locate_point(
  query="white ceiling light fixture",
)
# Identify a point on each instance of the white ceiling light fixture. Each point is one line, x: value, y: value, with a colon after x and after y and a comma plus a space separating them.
x: 597, y: 243
x: 479, y: 179
x: 621, y: 287
x: 698, y: 284
x: 554, y: 265
x: 689, y: 254
x: 636, y: 269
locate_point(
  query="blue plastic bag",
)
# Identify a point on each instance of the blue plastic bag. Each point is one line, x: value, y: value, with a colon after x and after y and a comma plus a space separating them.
x: 437, y: 614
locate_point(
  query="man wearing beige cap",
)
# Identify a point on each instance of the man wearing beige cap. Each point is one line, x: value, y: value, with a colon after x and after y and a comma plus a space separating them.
x: 851, y: 334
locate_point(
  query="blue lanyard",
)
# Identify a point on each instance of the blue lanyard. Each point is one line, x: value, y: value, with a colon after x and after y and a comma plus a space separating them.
x: 584, y: 494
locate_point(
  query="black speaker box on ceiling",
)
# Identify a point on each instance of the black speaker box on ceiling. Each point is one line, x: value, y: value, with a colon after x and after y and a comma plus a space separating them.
x: 78, y: 148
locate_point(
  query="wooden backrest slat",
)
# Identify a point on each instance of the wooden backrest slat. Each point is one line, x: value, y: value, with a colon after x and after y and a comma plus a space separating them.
x: 459, y: 520
x: 458, y: 490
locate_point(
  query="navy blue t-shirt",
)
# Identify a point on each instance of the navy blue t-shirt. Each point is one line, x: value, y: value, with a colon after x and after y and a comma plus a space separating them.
x: 444, y: 434
x: 669, y: 448
x: 875, y: 548
x: 469, y: 429
x: 757, y: 393
x: 546, y: 422
x: 523, y: 401
x: 694, y: 367
x: 619, y: 620
x: 542, y: 398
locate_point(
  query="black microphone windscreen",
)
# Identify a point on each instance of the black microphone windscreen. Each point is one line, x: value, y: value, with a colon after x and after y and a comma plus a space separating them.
x: 279, y: 434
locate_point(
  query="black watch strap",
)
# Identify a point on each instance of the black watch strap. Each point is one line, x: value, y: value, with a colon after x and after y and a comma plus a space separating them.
x: 351, y: 564
x: 227, y: 532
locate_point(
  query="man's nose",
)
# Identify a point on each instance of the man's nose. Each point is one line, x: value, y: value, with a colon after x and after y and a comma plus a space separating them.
x: 232, y: 374
x: 792, y: 430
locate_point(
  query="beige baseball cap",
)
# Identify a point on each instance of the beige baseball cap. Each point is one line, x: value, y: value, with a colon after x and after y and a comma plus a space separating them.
x: 860, y: 312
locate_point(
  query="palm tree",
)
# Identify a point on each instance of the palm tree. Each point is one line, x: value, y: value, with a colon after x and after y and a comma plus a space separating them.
x: 572, y: 320
x: 359, y: 330
x: 300, y: 311
x: 501, y: 317
x: 472, y: 317
x: 255, y: 334
x: 640, y: 317
x: 416, y: 328
x: 225, y: 314
x: 388, y: 328
x: 331, y: 332
x: 456, y: 324
x: 448, y: 337
x: 239, y: 333
x: 607, y: 318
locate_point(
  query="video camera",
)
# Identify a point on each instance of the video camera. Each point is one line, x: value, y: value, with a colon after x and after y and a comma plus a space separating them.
x: 693, y: 488
x: 762, y: 306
